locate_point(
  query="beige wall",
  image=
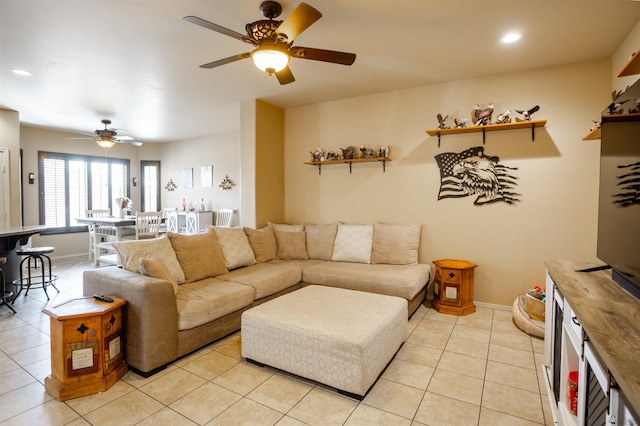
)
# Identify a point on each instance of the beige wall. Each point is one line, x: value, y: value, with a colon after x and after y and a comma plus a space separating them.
x: 558, y: 173
x: 629, y: 46
x: 10, y: 139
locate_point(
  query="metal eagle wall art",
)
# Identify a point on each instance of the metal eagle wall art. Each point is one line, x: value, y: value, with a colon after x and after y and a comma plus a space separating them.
x: 472, y: 173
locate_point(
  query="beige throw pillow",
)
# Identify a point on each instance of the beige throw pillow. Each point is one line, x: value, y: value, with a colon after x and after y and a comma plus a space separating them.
x: 353, y: 243
x: 263, y: 243
x: 286, y: 227
x: 235, y: 247
x: 395, y: 244
x: 291, y: 245
x: 199, y: 255
x: 130, y: 253
x: 156, y: 269
x: 320, y: 240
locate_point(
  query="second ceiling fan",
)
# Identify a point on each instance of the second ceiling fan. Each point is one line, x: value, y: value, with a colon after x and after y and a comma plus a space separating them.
x: 273, y: 41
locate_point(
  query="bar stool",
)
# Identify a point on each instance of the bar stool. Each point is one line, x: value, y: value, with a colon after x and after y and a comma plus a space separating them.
x: 33, y: 256
x: 5, y: 296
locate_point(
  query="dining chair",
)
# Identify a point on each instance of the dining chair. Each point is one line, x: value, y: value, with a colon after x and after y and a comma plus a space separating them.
x: 147, y: 225
x: 224, y: 217
x: 172, y: 220
x: 192, y: 225
x: 92, y: 228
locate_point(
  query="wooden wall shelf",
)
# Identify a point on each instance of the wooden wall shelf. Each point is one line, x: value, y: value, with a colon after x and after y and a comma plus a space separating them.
x: 632, y: 66
x: 593, y: 135
x: 617, y: 118
x: 490, y: 128
x: 319, y: 164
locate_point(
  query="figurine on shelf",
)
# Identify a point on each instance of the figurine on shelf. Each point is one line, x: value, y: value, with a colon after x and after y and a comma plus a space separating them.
x: 202, y: 204
x: 367, y: 152
x: 383, y: 151
x: 636, y: 108
x: 526, y: 115
x: 442, y: 121
x: 460, y: 122
x: 595, y: 126
x: 504, y: 117
x: 349, y: 153
x: 317, y: 155
x: 184, y: 204
x: 331, y: 155
x: 483, y: 115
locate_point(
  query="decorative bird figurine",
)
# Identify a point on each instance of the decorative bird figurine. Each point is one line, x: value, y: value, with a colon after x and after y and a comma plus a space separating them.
x: 504, y: 117
x: 615, y: 107
x: 460, y: 122
x: 636, y: 108
x: 527, y: 114
x: 442, y: 121
x: 483, y: 116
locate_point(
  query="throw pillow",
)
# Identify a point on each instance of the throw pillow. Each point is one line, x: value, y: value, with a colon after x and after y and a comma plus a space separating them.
x: 235, y: 247
x: 283, y: 227
x: 263, y: 243
x: 199, y: 255
x: 130, y: 253
x: 156, y: 269
x: 395, y: 244
x: 320, y: 240
x: 353, y: 243
x: 291, y: 245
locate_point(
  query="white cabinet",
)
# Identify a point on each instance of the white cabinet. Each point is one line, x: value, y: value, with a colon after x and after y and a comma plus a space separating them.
x: 569, y: 348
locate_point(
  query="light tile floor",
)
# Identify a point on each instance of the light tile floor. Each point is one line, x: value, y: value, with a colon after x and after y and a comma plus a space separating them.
x: 473, y: 370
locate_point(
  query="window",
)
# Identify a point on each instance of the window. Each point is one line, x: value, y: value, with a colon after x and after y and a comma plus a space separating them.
x: 71, y: 184
x: 150, y: 186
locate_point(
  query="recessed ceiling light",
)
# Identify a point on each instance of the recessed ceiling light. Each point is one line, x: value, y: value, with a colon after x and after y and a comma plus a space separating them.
x: 510, y: 38
x: 21, y: 72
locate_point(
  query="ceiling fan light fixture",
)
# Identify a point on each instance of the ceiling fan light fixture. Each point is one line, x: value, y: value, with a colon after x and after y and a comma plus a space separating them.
x: 270, y: 58
x: 105, y: 142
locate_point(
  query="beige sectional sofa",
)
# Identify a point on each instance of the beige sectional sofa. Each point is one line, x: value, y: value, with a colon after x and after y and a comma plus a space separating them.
x: 186, y: 291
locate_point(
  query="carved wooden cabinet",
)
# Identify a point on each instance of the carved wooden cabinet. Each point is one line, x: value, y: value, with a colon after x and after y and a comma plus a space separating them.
x: 87, y: 352
x: 453, y: 287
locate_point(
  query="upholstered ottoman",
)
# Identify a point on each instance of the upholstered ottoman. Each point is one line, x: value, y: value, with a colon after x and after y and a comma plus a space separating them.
x: 341, y: 338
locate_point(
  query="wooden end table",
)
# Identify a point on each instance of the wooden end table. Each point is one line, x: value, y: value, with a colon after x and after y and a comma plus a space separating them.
x: 87, y: 352
x: 453, y: 287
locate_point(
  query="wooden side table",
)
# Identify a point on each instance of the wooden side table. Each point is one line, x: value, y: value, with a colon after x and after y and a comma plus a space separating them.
x: 453, y: 287
x: 87, y: 352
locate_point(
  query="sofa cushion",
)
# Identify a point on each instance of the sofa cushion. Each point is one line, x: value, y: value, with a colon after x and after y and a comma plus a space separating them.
x: 395, y: 244
x: 199, y: 255
x: 394, y: 280
x: 265, y: 278
x: 353, y: 243
x: 300, y: 263
x: 263, y: 243
x: 203, y: 301
x: 152, y: 267
x: 285, y: 227
x: 291, y: 245
x: 130, y: 253
x: 320, y: 239
x: 235, y: 247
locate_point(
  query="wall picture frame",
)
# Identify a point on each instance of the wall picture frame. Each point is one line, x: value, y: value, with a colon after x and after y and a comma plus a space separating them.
x: 187, y: 177
x: 206, y: 176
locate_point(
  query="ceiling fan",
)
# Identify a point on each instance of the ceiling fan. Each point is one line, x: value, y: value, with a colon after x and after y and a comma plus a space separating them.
x: 107, y: 137
x: 273, y: 41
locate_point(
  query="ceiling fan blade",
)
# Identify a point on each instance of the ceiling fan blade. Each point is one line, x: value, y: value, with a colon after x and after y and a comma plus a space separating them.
x: 128, y: 142
x: 299, y: 20
x: 335, y: 57
x: 226, y: 60
x: 285, y: 76
x: 219, y: 29
x: 124, y: 138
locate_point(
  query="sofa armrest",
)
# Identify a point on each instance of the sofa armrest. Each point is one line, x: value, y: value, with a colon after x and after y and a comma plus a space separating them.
x: 151, y: 320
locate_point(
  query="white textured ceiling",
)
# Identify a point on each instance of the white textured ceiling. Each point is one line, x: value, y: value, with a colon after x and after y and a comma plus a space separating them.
x: 136, y: 62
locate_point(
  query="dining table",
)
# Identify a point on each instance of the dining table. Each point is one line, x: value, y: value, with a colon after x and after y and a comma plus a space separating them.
x: 117, y: 223
x: 11, y: 239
